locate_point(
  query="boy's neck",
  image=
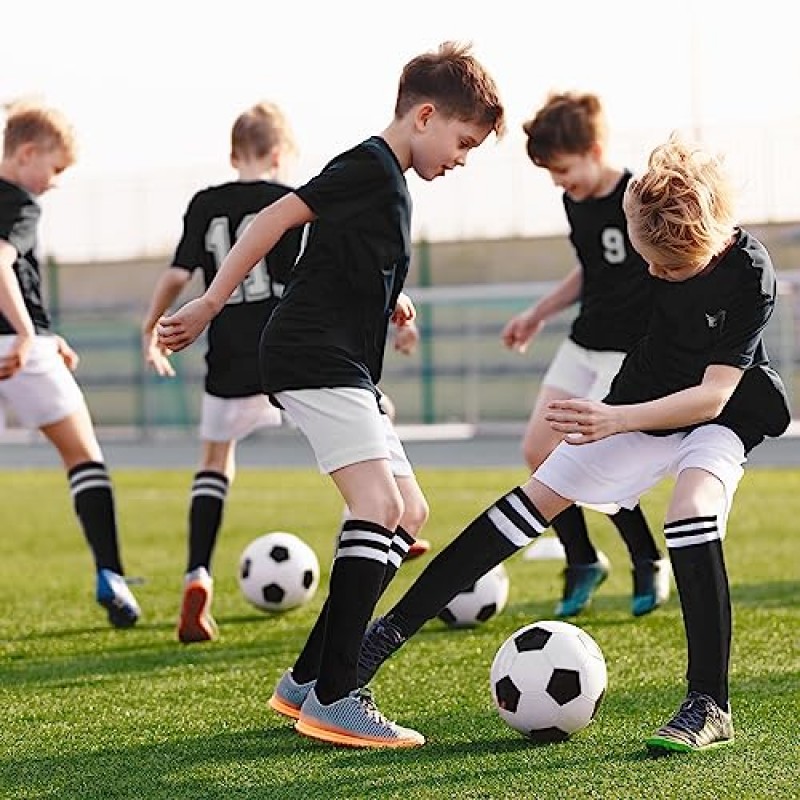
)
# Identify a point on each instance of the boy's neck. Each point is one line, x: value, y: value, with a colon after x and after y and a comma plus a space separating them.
x: 254, y: 174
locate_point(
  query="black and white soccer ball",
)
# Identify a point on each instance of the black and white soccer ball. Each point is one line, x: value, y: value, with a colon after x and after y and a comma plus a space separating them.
x: 548, y: 680
x: 480, y: 602
x: 278, y: 571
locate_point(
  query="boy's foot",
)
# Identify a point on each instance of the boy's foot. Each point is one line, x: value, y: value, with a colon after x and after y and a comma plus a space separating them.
x: 289, y: 695
x: 381, y: 639
x: 418, y: 548
x: 580, y: 583
x: 196, y: 623
x: 650, y: 585
x: 353, y: 721
x: 113, y: 594
x: 699, y: 724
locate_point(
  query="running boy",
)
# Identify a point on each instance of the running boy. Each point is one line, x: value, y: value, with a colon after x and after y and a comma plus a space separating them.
x: 567, y: 137
x: 690, y: 400
x: 233, y: 404
x: 36, y: 365
x: 322, y: 356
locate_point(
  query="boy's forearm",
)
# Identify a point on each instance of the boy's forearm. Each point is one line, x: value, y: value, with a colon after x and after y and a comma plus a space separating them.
x: 12, y: 304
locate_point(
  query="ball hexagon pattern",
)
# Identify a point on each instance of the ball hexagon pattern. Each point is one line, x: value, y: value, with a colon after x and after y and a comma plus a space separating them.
x: 478, y: 603
x: 548, y: 680
x: 278, y: 571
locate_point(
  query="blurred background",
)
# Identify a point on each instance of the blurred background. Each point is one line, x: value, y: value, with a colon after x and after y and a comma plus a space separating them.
x: 154, y: 87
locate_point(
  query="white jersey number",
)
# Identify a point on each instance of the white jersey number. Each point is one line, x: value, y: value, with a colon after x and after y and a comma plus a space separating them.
x: 613, y: 240
x: 257, y: 285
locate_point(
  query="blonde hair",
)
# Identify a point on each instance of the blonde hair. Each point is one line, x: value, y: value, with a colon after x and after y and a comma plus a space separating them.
x: 453, y: 79
x: 683, y: 204
x: 569, y: 123
x: 260, y: 129
x: 31, y: 122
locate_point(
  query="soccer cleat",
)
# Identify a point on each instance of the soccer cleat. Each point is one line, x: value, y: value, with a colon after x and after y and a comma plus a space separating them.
x: 117, y: 599
x: 699, y: 724
x: 418, y: 548
x: 353, y: 721
x: 580, y: 583
x: 650, y: 586
x: 196, y: 623
x: 289, y: 695
x: 381, y: 639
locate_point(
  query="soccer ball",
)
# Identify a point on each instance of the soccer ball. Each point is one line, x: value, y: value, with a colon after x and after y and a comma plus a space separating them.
x: 548, y: 680
x: 278, y: 571
x: 479, y: 602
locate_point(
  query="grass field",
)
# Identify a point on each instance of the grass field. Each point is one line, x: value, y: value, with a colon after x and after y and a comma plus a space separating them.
x: 93, y: 713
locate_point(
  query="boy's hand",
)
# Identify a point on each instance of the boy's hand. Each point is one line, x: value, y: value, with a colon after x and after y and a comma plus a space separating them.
x: 404, y: 311
x: 406, y: 338
x: 583, y: 421
x: 179, y: 330
x: 155, y: 355
x: 14, y: 360
x: 519, y: 331
x: 68, y: 355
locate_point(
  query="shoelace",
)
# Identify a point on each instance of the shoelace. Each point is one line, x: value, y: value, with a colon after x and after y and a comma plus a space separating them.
x: 692, y: 714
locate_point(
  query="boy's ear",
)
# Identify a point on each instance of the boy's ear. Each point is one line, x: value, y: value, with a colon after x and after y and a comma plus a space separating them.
x: 424, y: 112
x: 26, y: 151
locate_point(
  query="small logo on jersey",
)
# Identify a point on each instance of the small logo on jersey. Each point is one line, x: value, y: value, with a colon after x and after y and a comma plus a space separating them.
x: 716, y: 320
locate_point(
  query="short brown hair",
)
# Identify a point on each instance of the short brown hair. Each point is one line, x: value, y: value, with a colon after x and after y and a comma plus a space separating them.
x: 260, y: 129
x: 48, y: 128
x: 453, y: 79
x: 569, y: 123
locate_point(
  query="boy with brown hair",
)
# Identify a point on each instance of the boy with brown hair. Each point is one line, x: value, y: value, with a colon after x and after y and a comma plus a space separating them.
x: 36, y: 365
x: 322, y: 357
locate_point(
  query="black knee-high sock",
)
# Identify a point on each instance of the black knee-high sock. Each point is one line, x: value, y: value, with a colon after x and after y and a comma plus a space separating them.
x: 695, y: 550
x: 635, y: 532
x: 359, y: 567
x: 209, y: 491
x: 93, y: 497
x: 511, y: 523
x: 570, y: 527
x: 306, y: 667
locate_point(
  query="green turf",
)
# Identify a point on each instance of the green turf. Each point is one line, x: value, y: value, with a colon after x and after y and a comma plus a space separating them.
x: 90, y: 713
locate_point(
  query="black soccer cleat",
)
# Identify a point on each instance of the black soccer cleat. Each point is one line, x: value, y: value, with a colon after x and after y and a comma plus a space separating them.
x: 381, y: 640
x: 698, y: 725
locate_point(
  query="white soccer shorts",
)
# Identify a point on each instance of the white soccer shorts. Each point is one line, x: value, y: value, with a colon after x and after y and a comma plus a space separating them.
x: 581, y: 372
x: 44, y: 391
x: 229, y: 419
x: 621, y: 468
x: 344, y: 426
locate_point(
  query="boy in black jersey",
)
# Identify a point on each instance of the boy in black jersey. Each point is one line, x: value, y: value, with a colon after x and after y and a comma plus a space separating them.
x: 691, y: 399
x: 36, y: 365
x: 233, y: 403
x: 322, y: 356
x: 567, y: 137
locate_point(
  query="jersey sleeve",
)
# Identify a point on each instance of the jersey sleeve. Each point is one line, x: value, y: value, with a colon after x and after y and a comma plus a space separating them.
x: 350, y: 184
x: 192, y: 246
x: 19, y: 217
x: 741, y: 329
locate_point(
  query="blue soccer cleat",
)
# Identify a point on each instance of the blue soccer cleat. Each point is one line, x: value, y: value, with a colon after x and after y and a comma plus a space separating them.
x: 650, y: 586
x: 580, y: 583
x: 117, y: 599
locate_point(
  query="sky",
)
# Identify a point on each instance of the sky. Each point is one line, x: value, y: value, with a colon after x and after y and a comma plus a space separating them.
x: 153, y: 87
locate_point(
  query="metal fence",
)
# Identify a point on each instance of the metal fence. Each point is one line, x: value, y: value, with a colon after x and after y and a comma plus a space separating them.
x: 461, y: 372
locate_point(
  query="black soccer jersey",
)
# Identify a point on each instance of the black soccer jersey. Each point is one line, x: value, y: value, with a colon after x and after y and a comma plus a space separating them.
x: 215, y: 218
x: 616, y: 294
x: 19, y: 218
x: 716, y: 317
x: 330, y: 328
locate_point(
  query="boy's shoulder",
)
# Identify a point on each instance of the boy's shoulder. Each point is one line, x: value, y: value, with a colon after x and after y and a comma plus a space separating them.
x: 17, y: 204
x: 222, y: 193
